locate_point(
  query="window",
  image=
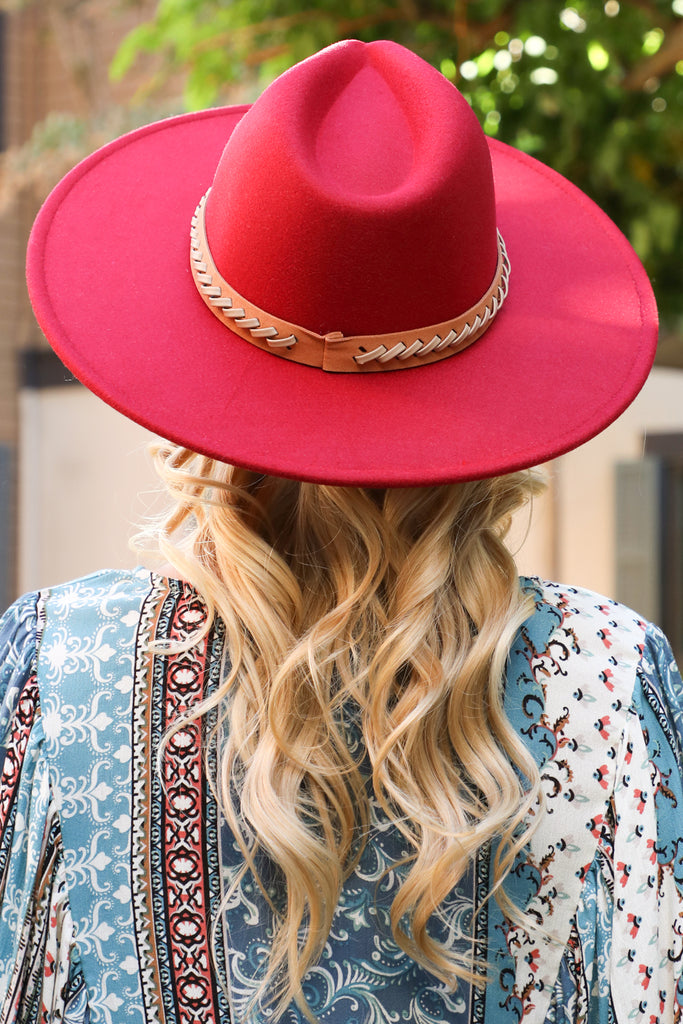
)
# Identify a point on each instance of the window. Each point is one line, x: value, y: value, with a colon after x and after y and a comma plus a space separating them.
x: 668, y: 450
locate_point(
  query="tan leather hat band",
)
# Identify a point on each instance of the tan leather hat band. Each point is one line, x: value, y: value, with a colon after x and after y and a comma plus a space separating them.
x: 336, y: 352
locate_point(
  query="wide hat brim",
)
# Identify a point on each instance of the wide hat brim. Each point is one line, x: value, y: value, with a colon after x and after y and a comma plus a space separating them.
x: 109, y: 279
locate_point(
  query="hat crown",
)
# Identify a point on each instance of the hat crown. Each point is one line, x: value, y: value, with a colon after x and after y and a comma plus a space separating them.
x: 363, y: 144
x: 356, y: 195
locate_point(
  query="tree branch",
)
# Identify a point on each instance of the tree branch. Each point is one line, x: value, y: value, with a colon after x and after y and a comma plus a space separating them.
x: 660, y: 63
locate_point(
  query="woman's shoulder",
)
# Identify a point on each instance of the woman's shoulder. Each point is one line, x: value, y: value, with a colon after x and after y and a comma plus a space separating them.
x: 97, y: 589
x: 616, y: 625
x: 577, y: 600
x: 108, y: 595
x: 592, y: 625
x: 22, y: 619
x: 18, y: 634
x: 80, y: 624
x: 638, y: 654
x: 584, y: 671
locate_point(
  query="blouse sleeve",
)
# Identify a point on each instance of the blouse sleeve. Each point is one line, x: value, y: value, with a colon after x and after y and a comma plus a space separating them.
x: 624, y: 959
x: 40, y: 975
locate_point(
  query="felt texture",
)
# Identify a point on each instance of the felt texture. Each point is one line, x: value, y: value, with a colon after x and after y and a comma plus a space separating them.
x: 337, y: 226
x: 357, y: 196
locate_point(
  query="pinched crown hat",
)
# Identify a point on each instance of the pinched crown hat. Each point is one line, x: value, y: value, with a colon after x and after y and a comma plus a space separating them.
x: 346, y: 282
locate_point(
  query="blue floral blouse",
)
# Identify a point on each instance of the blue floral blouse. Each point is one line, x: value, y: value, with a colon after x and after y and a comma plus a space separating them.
x: 113, y: 870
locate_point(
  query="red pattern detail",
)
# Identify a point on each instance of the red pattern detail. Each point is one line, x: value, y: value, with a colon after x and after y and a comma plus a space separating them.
x: 624, y: 871
x: 19, y: 732
x: 601, y: 726
x: 187, y: 884
x: 605, y: 635
x: 49, y: 968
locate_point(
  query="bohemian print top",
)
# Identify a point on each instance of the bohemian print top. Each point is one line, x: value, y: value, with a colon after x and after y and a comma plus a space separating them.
x: 112, y: 870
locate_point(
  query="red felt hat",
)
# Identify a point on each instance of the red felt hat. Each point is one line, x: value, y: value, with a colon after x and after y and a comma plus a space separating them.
x: 346, y: 282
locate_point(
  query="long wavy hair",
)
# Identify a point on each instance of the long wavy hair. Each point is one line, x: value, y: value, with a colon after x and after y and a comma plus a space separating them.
x: 397, y: 607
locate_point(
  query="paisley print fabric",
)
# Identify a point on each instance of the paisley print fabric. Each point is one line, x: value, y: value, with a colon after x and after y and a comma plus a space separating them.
x: 114, y: 863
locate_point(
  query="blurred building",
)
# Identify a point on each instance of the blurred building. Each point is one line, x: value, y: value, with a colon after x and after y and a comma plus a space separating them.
x: 52, y: 58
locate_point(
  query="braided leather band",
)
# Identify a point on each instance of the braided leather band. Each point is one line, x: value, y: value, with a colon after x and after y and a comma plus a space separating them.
x: 336, y: 352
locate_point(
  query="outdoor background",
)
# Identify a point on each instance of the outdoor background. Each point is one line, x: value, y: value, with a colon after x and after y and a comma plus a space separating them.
x: 595, y: 89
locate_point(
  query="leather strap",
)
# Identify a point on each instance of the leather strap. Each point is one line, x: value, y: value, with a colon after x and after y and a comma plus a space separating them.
x: 336, y: 352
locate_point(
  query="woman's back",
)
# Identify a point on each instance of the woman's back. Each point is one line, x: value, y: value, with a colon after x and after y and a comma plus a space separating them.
x: 139, y: 861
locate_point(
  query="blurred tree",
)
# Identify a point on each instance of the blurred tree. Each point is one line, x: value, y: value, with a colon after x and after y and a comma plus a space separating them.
x: 594, y: 89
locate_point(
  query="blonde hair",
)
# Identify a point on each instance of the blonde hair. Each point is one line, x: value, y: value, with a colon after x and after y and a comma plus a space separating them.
x: 400, y: 605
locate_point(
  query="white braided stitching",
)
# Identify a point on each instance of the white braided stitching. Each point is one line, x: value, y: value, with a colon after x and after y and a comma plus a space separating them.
x: 216, y: 298
x: 422, y: 348
x: 381, y: 354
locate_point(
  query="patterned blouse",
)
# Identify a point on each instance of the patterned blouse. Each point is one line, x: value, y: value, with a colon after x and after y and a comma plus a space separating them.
x: 112, y: 871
